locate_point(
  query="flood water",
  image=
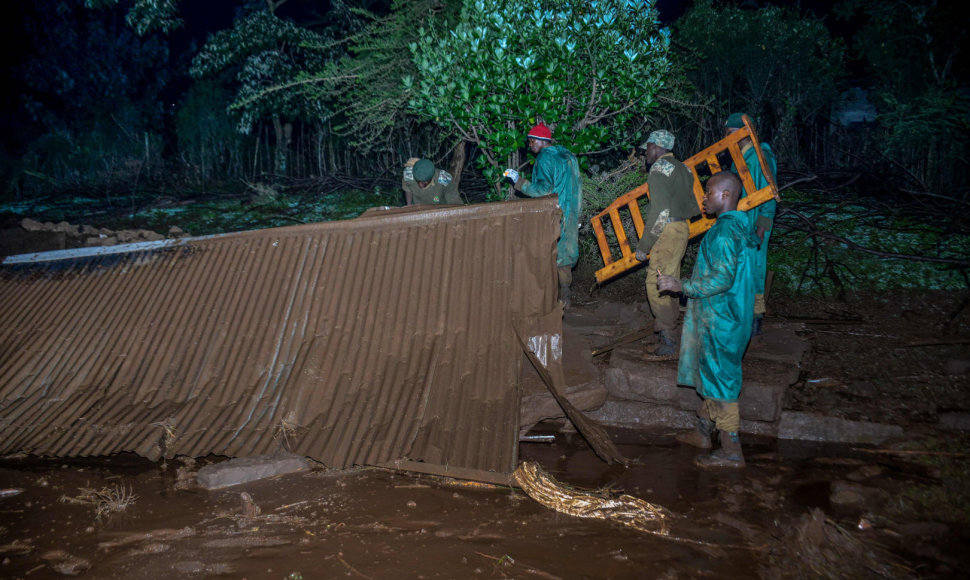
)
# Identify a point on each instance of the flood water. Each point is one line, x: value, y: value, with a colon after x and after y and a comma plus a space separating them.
x: 374, y: 523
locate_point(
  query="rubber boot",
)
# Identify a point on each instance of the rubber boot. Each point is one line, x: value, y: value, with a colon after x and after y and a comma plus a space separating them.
x: 668, y: 346
x: 700, y: 436
x: 728, y: 456
x: 565, y: 296
x: 756, y: 326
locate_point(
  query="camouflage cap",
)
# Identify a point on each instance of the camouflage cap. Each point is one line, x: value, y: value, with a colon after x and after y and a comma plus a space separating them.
x: 423, y: 170
x: 662, y: 138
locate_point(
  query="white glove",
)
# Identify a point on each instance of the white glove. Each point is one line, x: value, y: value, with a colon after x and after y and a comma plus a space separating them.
x: 512, y: 175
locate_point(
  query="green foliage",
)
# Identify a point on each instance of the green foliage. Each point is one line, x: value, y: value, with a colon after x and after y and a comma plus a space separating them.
x: 146, y: 16
x: 947, y: 496
x: 599, y: 191
x: 827, y: 265
x: 274, y: 62
x: 586, y: 69
x: 913, y: 49
x: 206, y: 134
x: 779, y: 66
x: 371, y: 101
x: 234, y: 215
x: 223, y: 214
x: 93, y: 90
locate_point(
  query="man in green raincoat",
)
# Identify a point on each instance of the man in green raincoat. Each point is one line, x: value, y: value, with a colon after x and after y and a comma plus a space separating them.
x: 556, y: 172
x: 717, y: 326
x: 762, y: 217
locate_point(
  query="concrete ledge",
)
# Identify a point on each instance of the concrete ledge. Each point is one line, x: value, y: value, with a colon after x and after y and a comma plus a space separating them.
x: 639, y: 415
x: 810, y: 427
x: 635, y: 414
x: 631, y: 378
x: 246, y: 469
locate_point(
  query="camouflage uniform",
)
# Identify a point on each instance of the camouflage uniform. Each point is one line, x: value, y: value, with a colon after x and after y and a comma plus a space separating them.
x: 440, y: 190
x: 666, y: 232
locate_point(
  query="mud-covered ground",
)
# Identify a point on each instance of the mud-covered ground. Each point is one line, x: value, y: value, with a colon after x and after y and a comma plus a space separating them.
x: 798, y: 510
x: 371, y: 523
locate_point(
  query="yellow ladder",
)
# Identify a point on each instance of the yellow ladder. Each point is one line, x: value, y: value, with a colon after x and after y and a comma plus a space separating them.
x: 705, y: 162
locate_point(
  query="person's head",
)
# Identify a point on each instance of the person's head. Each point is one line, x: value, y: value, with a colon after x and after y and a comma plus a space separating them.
x: 539, y: 138
x: 423, y: 172
x: 734, y: 123
x: 721, y: 193
x: 658, y: 144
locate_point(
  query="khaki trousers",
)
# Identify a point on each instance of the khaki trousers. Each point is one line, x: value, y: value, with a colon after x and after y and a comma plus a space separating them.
x: 759, y: 305
x: 726, y: 416
x: 666, y: 254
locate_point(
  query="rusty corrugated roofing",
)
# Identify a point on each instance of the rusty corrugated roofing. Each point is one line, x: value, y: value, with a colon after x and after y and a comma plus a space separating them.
x: 385, y: 338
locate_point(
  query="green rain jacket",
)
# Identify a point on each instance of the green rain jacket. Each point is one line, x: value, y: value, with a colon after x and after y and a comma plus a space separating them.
x: 557, y: 172
x: 717, y: 326
x: 764, y: 214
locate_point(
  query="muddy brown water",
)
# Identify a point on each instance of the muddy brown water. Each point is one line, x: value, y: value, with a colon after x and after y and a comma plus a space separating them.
x: 372, y: 523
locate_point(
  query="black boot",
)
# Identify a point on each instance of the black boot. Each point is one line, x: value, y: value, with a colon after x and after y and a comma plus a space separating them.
x: 756, y: 329
x: 668, y: 346
x: 728, y: 456
x: 700, y: 436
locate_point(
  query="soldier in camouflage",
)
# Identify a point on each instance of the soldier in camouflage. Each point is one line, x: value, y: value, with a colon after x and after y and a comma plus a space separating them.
x: 666, y: 231
x: 425, y: 185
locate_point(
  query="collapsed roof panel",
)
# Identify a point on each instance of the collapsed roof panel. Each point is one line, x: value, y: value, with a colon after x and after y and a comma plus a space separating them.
x: 381, y: 339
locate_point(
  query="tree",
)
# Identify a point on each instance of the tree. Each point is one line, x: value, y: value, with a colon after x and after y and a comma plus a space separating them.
x: 273, y: 61
x: 586, y: 68
x: 208, y: 143
x: 146, y: 16
x: 92, y: 87
x: 913, y: 54
x: 370, y: 98
x: 781, y: 67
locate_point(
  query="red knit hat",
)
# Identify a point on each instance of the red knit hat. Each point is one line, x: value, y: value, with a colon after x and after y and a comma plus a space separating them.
x: 541, y: 131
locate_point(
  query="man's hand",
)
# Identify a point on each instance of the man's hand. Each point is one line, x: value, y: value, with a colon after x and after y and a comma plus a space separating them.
x: 761, y: 234
x: 512, y: 175
x: 641, y: 255
x: 410, y: 162
x: 667, y: 283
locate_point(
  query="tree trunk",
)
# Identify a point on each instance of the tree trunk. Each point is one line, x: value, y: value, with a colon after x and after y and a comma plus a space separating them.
x: 458, y: 162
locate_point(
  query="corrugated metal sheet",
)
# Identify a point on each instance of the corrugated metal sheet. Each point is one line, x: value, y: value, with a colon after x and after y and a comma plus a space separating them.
x: 385, y: 338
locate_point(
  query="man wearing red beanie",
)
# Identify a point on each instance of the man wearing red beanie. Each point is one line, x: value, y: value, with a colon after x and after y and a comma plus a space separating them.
x: 556, y: 172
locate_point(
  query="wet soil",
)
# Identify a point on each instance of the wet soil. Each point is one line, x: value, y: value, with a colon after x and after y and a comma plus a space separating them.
x: 372, y: 523
x: 798, y: 510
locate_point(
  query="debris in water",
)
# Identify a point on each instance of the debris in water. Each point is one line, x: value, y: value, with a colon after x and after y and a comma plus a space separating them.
x: 536, y: 438
x: 106, y: 501
x: 817, y: 547
x: 626, y: 509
